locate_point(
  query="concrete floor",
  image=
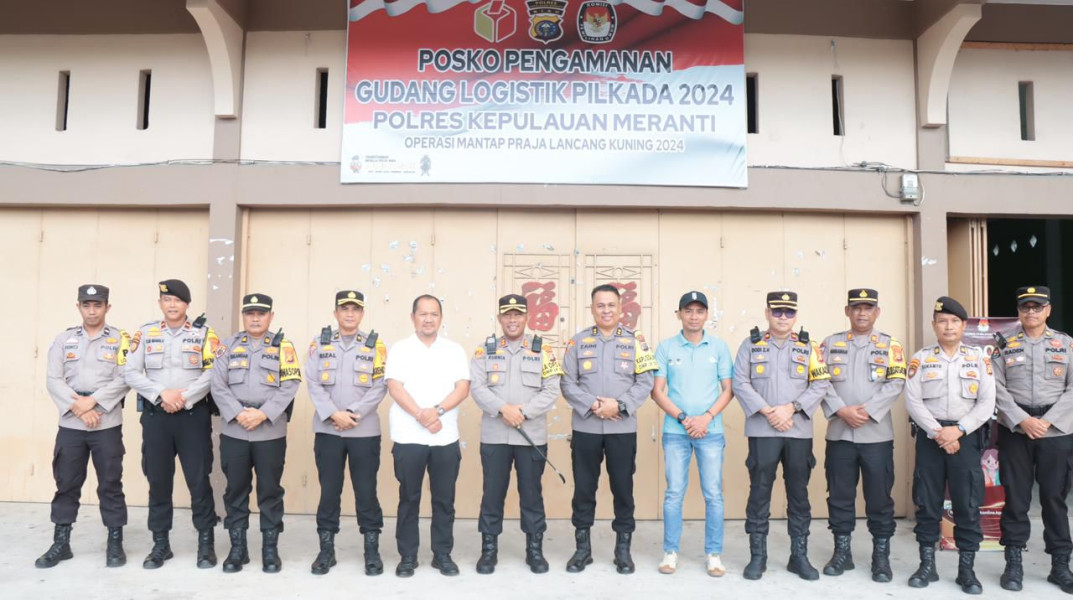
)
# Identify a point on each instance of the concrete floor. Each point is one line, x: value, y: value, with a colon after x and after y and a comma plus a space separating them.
x: 25, y: 533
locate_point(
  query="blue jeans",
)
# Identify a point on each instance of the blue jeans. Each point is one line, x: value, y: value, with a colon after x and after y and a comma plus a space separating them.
x: 678, y: 450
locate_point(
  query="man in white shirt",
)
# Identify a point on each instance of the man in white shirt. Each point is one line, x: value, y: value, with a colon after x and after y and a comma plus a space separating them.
x: 428, y: 377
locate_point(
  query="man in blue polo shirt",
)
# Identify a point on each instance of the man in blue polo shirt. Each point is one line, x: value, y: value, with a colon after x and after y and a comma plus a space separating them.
x: 693, y: 387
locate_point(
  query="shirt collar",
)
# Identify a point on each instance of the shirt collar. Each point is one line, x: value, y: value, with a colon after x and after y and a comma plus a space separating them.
x: 704, y: 340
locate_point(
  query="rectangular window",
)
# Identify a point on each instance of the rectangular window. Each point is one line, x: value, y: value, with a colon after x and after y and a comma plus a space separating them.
x: 63, y: 95
x: 145, y: 81
x: 752, y: 118
x: 1028, y: 111
x: 838, y: 115
x: 321, y: 116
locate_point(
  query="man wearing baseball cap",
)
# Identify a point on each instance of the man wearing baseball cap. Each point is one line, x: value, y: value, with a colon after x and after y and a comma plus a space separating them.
x: 692, y: 386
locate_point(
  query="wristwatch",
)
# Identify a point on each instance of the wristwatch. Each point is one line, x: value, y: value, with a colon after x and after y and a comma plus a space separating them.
x: 681, y: 416
x: 797, y: 406
x: 439, y: 410
x: 961, y: 428
x: 621, y: 407
x: 524, y: 416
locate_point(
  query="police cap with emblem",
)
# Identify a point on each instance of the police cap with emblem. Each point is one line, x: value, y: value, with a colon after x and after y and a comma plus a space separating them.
x: 691, y: 297
x: 256, y: 302
x: 862, y: 296
x: 92, y: 291
x: 513, y: 302
x: 175, y: 287
x: 1038, y: 294
x: 350, y: 297
x: 782, y: 300
x: 948, y: 305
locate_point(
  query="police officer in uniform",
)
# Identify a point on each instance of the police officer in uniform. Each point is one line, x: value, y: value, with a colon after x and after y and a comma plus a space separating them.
x: 950, y: 395
x: 1034, y: 395
x: 867, y: 370
x: 85, y: 381
x: 345, y: 377
x: 608, y: 374
x: 779, y: 379
x: 515, y: 382
x: 254, y: 389
x: 170, y: 371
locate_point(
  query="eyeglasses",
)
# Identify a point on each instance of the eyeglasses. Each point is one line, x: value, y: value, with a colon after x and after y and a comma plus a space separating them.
x: 1031, y: 308
x: 779, y: 313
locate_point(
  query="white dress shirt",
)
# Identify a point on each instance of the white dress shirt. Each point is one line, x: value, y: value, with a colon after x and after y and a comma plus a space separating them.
x: 428, y: 374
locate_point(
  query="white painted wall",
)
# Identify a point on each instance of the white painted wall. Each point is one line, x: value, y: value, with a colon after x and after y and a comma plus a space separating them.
x: 102, y: 112
x: 794, y: 92
x: 985, y: 108
x: 279, y: 97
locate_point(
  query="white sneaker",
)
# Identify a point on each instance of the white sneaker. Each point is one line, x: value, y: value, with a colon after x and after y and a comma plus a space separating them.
x: 715, y: 566
x: 669, y: 564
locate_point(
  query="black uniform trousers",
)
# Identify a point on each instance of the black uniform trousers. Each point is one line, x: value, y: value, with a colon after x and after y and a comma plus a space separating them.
x: 239, y: 460
x: 765, y: 455
x: 496, y: 461
x: 70, y: 459
x: 331, y: 453
x: 442, y: 464
x: 935, y: 470
x: 1049, y: 462
x: 188, y: 434
x: 587, y: 452
x: 846, y: 463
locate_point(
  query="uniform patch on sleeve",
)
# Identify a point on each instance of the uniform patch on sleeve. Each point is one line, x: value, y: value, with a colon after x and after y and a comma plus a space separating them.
x: 914, y: 366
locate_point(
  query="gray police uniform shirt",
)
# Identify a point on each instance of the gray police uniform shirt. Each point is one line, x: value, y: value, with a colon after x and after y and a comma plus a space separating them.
x: 942, y: 388
x: 514, y: 374
x: 172, y: 359
x: 253, y: 373
x: 866, y: 370
x: 772, y: 373
x: 1035, y: 372
x: 78, y: 363
x: 346, y: 375
x: 621, y: 366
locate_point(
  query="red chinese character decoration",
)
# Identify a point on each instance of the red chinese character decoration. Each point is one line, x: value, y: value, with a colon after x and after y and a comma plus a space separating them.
x: 631, y: 309
x: 543, y: 310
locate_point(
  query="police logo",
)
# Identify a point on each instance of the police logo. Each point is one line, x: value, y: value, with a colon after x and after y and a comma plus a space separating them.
x: 596, y: 24
x: 546, y: 19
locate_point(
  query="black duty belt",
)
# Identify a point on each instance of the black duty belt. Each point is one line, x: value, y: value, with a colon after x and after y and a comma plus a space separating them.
x: 1035, y: 411
x: 84, y: 393
x: 947, y: 423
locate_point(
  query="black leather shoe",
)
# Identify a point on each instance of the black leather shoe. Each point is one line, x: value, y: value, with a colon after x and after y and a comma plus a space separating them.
x: 270, y: 561
x: 799, y: 563
x: 623, y: 560
x: 373, y: 564
x: 486, y: 564
x: 583, y: 555
x: 326, y: 557
x: 534, y: 553
x: 881, y: 572
x: 406, y: 566
x: 206, y: 549
x: 444, y: 563
x: 161, y: 551
x: 966, y: 574
x: 926, y: 572
x: 1060, y: 574
x: 842, y: 558
x: 114, y: 556
x: 59, y: 550
x: 757, y: 557
x: 239, y: 554
x: 1014, y: 574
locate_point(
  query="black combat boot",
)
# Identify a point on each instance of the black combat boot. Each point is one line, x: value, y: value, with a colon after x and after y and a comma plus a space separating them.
x: 842, y: 558
x: 1014, y: 575
x: 206, y: 549
x: 926, y: 572
x: 239, y: 554
x: 373, y: 564
x: 270, y: 562
x: 114, y: 556
x: 799, y: 559
x: 160, y: 552
x: 486, y: 564
x: 583, y: 555
x: 966, y: 576
x: 534, y: 553
x: 757, y: 557
x: 1060, y: 574
x: 881, y: 572
x: 326, y: 558
x: 59, y: 550
x: 623, y: 560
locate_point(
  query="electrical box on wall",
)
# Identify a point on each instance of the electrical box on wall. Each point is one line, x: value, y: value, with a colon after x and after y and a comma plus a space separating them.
x: 910, y: 187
